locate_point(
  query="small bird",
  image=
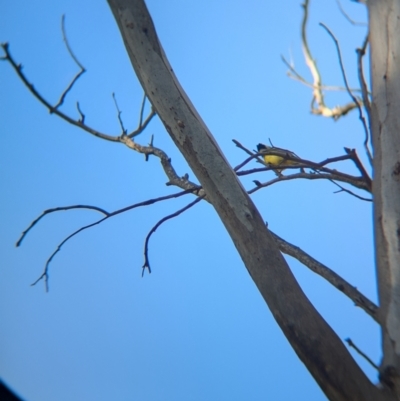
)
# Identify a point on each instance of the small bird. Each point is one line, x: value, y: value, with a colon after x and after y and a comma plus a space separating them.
x: 277, y: 157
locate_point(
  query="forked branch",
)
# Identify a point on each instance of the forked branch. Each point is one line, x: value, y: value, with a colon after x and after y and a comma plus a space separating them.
x: 126, y: 139
x: 80, y: 122
x: 45, y: 274
x: 356, y: 101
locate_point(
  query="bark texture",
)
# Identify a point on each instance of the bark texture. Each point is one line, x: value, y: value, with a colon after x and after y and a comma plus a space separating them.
x: 385, y: 124
x: 314, y: 341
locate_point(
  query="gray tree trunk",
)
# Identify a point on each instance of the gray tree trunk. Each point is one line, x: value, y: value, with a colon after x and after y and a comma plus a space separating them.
x: 314, y: 341
x: 384, y: 21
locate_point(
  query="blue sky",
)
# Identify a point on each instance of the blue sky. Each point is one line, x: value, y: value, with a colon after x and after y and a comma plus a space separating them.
x: 196, y: 328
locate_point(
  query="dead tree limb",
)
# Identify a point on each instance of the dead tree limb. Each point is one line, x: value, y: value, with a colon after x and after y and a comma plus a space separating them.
x: 314, y: 341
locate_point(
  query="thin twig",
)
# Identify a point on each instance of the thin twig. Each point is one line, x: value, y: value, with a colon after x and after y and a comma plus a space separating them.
x: 67, y: 44
x: 119, y: 115
x: 142, y: 110
x: 143, y: 126
x: 246, y: 161
x: 355, y: 100
x: 347, y: 16
x: 249, y: 152
x: 57, y: 209
x: 367, y: 358
x: 82, y: 116
x: 365, y: 97
x: 153, y: 230
x: 71, y: 53
x: 364, y: 89
x: 354, y: 157
x: 297, y: 77
x: 342, y: 189
x: 147, y: 156
x: 333, y: 278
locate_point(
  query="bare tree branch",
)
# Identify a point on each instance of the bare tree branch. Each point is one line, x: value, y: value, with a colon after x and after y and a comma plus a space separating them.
x: 143, y: 126
x: 45, y: 274
x: 293, y: 74
x: 324, y: 173
x: 333, y: 278
x: 65, y: 39
x: 356, y: 182
x: 123, y: 130
x: 355, y: 100
x: 54, y: 109
x: 365, y: 96
x: 142, y: 110
x: 82, y: 68
x: 353, y: 155
x: 367, y: 358
x: 364, y: 89
x: 174, y: 179
x: 78, y: 123
x: 82, y: 116
x: 153, y: 230
x: 57, y: 209
x: 318, y: 96
x: 347, y: 16
x: 249, y: 152
x: 342, y: 189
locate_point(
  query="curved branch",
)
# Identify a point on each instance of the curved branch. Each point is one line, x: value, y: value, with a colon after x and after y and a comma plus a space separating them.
x: 158, y: 224
x: 318, y: 96
x: 81, y: 67
x: 57, y: 209
x: 345, y: 15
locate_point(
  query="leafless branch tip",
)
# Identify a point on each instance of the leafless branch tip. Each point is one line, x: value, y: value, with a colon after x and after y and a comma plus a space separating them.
x: 146, y: 264
x: 71, y: 53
